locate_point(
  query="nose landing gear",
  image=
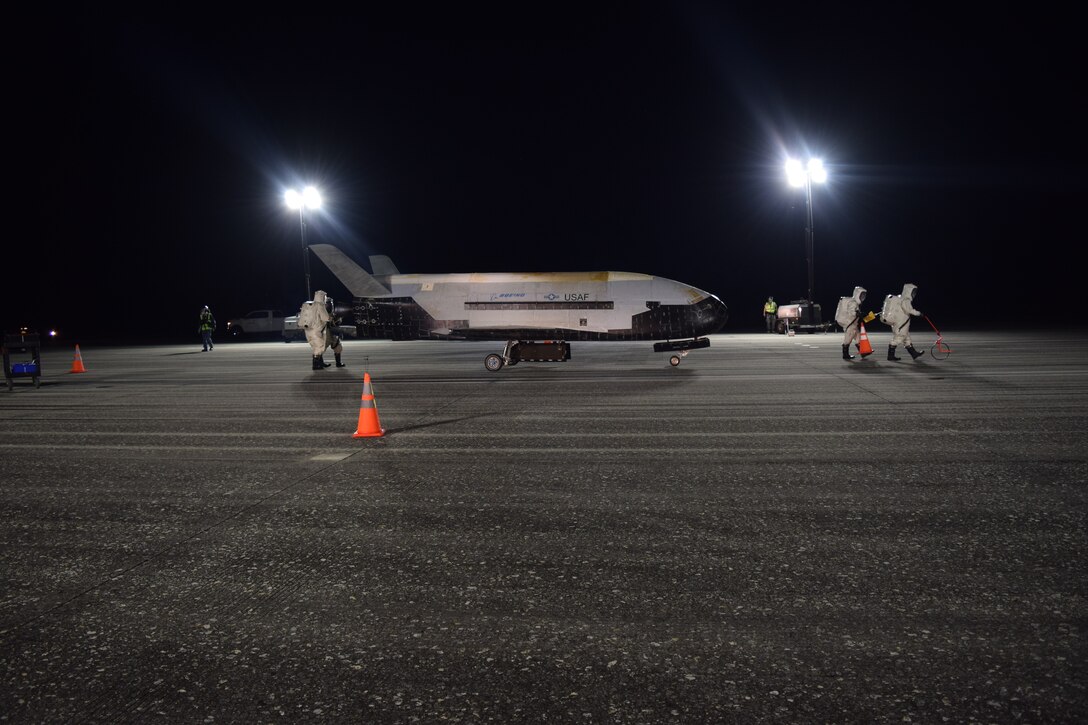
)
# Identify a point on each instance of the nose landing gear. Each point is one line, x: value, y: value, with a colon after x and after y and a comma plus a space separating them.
x: 680, y: 348
x: 674, y: 360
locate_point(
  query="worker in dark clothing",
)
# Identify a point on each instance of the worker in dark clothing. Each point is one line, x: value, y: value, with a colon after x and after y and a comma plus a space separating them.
x: 332, y: 340
x: 770, y: 313
x: 207, y: 326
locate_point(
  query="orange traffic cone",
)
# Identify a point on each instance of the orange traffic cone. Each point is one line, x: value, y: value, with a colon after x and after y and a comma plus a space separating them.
x: 863, y: 344
x: 77, y: 363
x: 369, y: 425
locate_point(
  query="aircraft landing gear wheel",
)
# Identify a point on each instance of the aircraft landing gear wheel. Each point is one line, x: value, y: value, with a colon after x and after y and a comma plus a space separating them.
x: 493, y: 362
x: 674, y: 360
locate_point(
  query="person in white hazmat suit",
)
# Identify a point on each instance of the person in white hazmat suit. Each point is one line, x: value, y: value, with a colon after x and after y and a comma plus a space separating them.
x: 848, y: 316
x: 898, y: 309
x: 316, y: 319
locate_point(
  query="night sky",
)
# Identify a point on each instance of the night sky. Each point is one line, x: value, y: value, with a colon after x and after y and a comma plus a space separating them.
x: 150, y: 157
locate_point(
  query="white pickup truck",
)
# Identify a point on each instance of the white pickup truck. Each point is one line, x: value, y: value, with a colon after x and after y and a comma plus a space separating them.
x: 291, y: 330
x: 256, y: 323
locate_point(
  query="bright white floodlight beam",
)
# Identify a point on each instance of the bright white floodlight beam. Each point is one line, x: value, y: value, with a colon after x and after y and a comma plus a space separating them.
x: 816, y: 171
x: 795, y: 173
x: 311, y: 197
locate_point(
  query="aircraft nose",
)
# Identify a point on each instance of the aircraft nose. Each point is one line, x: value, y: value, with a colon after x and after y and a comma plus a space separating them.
x: 711, y: 315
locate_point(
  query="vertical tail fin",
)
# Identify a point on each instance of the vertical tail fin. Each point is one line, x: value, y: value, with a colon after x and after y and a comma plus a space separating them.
x: 354, y: 277
x: 382, y: 265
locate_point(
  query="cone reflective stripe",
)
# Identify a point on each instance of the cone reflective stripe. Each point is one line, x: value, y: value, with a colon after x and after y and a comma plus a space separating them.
x: 863, y: 344
x: 77, y: 363
x: 369, y: 425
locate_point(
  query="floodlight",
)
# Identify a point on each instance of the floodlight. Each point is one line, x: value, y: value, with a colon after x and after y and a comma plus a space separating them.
x: 308, y: 199
x: 311, y: 197
x: 803, y: 176
x: 795, y: 173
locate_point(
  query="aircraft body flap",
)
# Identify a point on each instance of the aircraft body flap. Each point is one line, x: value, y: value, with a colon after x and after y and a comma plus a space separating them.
x: 354, y: 277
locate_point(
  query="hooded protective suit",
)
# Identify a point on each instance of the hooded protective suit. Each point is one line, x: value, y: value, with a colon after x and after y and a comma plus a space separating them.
x: 848, y: 315
x: 897, y: 313
x: 314, y: 319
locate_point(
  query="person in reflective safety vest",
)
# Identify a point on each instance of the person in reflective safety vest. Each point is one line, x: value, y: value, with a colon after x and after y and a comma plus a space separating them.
x: 770, y: 312
x: 207, y: 326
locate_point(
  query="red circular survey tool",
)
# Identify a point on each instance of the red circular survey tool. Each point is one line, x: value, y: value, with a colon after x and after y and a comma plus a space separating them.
x: 939, y: 351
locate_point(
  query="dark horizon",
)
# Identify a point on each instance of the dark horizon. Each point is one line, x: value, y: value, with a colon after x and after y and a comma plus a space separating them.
x: 625, y: 137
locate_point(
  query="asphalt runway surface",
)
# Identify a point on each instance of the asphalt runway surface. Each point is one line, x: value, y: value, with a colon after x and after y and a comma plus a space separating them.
x: 764, y: 533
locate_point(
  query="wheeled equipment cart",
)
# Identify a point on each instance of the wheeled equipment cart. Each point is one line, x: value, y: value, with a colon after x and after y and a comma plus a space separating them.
x: 22, y: 358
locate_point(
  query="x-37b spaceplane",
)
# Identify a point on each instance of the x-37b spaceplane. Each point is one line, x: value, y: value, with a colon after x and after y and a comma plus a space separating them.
x: 537, y: 314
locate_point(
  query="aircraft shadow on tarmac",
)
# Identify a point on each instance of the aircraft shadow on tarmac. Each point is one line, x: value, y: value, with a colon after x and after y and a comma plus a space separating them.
x: 868, y: 369
x: 433, y: 423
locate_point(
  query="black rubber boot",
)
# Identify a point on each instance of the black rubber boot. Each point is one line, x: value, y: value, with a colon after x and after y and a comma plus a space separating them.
x: 914, y: 353
x: 339, y: 362
x: 321, y: 361
x: 846, y: 353
x: 317, y: 363
x: 891, y: 353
